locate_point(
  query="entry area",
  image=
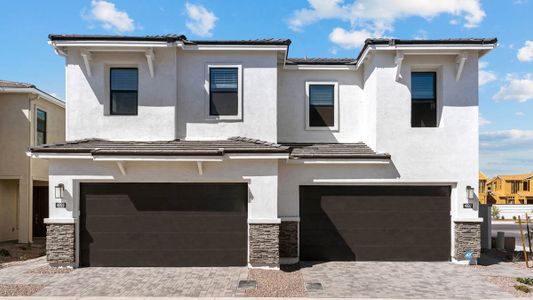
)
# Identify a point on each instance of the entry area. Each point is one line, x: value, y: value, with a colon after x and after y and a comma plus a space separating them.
x: 163, y: 224
x: 375, y: 223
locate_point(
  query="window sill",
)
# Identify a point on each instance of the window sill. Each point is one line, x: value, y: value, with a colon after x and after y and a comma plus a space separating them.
x: 224, y: 118
x: 334, y: 129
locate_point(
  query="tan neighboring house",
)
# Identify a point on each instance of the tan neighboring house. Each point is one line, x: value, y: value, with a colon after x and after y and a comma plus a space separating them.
x: 28, y: 117
x: 511, y: 189
x: 483, y: 179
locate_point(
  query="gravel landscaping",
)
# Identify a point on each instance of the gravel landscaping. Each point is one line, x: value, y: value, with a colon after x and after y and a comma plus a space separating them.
x: 51, y: 270
x: 19, y: 289
x: 20, y: 252
x: 287, y: 282
x: 508, y: 284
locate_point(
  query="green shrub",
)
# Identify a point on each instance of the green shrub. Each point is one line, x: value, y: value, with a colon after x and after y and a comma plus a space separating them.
x: 525, y: 280
x: 495, y: 212
x: 522, y: 288
x: 4, y: 253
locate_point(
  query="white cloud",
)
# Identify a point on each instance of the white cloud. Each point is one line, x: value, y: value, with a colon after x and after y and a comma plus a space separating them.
x: 379, y: 16
x: 516, y: 89
x: 526, y: 53
x: 485, y: 76
x: 519, y: 113
x: 349, y: 39
x: 421, y: 35
x: 506, y: 151
x: 200, y: 21
x: 110, y: 17
x: 483, y: 121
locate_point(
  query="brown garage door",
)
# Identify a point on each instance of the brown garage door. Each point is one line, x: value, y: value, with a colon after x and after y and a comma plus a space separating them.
x: 163, y: 224
x: 377, y: 223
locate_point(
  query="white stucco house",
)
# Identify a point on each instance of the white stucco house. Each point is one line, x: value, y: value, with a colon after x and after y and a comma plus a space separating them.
x: 221, y: 153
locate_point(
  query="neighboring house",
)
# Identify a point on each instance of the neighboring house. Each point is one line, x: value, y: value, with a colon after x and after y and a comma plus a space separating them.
x: 28, y: 117
x: 217, y: 153
x: 511, y: 189
x: 482, y: 188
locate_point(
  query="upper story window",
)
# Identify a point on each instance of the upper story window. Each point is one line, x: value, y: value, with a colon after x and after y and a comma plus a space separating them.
x: 322, y: 106
x: 423, y: 99
x: 124, y: 91
x: 225, y: 99
x: 41, y: 127
x: 526, y: 186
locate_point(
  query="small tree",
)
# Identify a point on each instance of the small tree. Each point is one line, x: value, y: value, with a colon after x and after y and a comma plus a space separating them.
x: 495, y: 213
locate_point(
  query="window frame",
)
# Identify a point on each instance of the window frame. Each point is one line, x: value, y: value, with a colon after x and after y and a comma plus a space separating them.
x: 207, y: 86
x: 110, y: 69
x: 36, y: 141
x: 436, y: 80
x: 335, y: 126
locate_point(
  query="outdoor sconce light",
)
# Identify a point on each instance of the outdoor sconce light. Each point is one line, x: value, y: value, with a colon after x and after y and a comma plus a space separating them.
x: 470, y: 193
x: 59, y: 189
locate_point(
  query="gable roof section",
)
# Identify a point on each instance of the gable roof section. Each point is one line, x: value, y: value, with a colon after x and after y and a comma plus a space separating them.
x: 517, y: 177
x: 482, y: 176
x: 22, y: 87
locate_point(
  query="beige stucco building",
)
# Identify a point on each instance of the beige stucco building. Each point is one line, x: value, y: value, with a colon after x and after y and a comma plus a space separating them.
x: 24, y: 181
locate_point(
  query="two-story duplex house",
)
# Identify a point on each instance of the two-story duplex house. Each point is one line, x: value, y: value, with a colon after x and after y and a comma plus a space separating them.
x: 217, y: 153
x: 28, y: 117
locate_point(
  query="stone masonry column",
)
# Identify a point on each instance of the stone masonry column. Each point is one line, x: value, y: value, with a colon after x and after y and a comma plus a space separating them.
x: 60, y: 243
x: 467, y: 238
x: 264, y: 245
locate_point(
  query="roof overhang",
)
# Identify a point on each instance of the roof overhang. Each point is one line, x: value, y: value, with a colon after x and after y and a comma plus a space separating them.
x: 424, y: 49
x: 34, y: 91
x: 304, y: 67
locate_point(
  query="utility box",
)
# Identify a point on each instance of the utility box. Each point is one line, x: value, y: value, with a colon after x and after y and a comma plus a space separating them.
x: 486, y: 227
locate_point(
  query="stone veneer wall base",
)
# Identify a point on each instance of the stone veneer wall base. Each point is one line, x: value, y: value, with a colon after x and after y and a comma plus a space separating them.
x: 288, y: 239
x: 467, y: 238
x: 60, y: 239
x: 264, y: 245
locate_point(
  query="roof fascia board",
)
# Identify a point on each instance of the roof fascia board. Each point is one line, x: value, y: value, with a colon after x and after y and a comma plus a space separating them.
x: 437, y: 49
x: 258, y: 156
x: 36, y: 91
x: 236, y: 47
x: 355, y: 161
x: 320, y: 67
x: 103, y: 43
x: 60, y: 155
x: 155, y: 158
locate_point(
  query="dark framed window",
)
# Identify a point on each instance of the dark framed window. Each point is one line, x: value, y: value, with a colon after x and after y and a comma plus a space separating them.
x: 223, y: 91
x: 424, y: 99
x: 321, y: 105
x: 526, y: 186
x: 124, y: 84
x: 41, y: 127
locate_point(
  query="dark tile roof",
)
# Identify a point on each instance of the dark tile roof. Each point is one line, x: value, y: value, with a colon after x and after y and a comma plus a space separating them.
x: 176, y: 147
x: 352, y: 150
x: 320, y: 61
x: 167, y: 38
x: 13, y: 84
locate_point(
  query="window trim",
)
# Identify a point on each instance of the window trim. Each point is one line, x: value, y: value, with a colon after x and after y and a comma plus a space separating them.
x: 207, y: 86
x: 436, y: 92
x: 335, y: 126
x: 36, y: 142
x: 111, y: 68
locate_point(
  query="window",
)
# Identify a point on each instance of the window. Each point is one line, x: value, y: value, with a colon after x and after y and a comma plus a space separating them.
x: 224, y: 91
x: 514, y: 187
x: 526, y: 186
x: 423, y: 99
x: 41, y: 127
x: 124, y: 91
x: 322, y: 105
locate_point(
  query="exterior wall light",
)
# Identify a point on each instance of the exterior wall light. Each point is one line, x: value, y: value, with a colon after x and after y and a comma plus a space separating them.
x: 470, y: 193
x: 59, y: 189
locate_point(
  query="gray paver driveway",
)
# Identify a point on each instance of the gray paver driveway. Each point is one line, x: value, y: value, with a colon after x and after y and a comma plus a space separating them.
x: 416, y: 280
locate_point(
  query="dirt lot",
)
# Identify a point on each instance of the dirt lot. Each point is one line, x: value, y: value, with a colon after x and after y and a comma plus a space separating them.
x: 12, y: 251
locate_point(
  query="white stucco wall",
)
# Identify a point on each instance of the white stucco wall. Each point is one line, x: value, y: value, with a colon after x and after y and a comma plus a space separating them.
x: 259, y: 88
x: 446, y: 153
x: 88, y: 97
x: 292, y: 101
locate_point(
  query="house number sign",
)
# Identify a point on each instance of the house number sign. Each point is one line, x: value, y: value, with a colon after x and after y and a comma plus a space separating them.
x: 61, y: 205
x: 468, y: 205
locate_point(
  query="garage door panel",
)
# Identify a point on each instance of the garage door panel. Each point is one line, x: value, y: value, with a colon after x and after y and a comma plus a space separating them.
x: 392, y: 223
x: 158, y: 222
x: 368, y: 219
x: 163, y: 224
x: 382, y: 237
x: 165, y: 240
x: 177, y: 258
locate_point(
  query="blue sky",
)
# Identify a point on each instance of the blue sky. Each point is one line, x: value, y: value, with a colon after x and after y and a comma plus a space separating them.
x: 318, y: 28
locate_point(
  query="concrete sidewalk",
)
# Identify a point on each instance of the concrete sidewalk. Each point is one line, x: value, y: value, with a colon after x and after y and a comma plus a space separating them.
x: 189, y: 298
